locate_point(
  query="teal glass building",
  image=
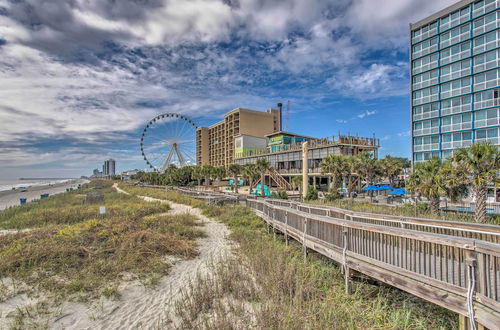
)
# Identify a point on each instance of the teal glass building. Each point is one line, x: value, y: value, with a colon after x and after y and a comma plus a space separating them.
x: 455, y: 79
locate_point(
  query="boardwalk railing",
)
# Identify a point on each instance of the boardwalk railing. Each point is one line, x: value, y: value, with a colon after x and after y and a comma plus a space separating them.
x: 454, y: 265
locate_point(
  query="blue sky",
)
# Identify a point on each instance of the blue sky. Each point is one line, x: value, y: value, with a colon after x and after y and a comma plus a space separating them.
x: 80, y: 78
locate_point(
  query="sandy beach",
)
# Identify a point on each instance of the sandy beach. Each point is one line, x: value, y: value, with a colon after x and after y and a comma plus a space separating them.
x: 11, y: 197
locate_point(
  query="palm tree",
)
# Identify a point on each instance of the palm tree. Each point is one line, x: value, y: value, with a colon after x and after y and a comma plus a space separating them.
x: 251, y: 174
x: 481, y: 163
x: 234, y: 170
x: 454, y: 179
x: 262, y: 166
x: 367, y: 167
x: 334, y: 166
x: 350, y: 171
x: 297, y: 182
x: 391, y: 167
x: 197, y: 174
x: 207, y: 171
x: 219, y: 172
x: 427, y: 181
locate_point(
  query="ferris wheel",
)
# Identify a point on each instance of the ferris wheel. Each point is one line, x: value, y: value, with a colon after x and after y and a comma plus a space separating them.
x: 168, y: 139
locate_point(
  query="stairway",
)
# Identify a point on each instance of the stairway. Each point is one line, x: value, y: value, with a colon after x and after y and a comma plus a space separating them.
x: 279, y: 179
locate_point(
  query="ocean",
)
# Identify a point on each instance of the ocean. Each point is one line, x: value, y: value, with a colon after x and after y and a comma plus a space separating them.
x: 9, y: 184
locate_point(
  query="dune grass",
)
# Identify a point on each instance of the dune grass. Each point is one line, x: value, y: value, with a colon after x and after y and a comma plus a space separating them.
x: 269, y: 286
x: 71, y: 251
x: 170, y: 195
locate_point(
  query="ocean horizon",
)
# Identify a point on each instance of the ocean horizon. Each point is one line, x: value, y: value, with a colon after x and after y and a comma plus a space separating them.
x: 27, y: 182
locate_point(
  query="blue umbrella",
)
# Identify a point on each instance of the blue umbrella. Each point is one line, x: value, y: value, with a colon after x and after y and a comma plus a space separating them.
x: 371, y: 188
x: 386, y: 187
x: 400, y: 191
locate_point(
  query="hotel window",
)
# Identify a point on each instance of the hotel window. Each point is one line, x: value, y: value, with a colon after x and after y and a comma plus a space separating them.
x: 485, y: 118
x: 487, y: 135
x: 454, y: 18
x: 455, y: 53
x: 485, y: 42
x: 426, y: 143
x: 425, y: 47
x: 456, y: 35
x: 486, y: 79
x: 456, y: 105
x: 425, y: 95
x: 456, y: 122
x: 487, y: 61
x: 426, y: 111
x: 484, y: 6
x: 485, y: 23
x: 423, y: 156
x: 447, y: 153
x: 425, y: 63
x: 425, y: 79
x: 486, y: 99
x: 424, y: 32
x: 426, y: 127
x: 455, y: 70
x: 456, y: 140
x: 456, y: 87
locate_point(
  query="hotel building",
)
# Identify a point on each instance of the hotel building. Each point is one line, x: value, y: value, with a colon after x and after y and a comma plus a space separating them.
x: 215, y: 145
x: 455, y: 78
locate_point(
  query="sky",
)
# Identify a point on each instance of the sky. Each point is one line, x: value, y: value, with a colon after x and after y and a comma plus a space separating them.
x: 79, y: 79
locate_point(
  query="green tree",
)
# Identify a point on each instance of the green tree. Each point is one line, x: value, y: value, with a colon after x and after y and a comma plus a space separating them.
x: 480, y: 163
x: 427, y: 180
x: 391, y: 167
x: 207, y: 172
x: 350, y: 171
x: 335, y: 167
x: 262, y: 166
x: 367, y: 167
x: 234, y: 170
x: 297, y: 183
x: 197, y: 174
x: 251, y: 174
x: 454, y: 179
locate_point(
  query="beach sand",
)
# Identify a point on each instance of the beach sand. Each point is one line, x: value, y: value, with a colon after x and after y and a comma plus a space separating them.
x: 11, y: 197
x: 138, y: 307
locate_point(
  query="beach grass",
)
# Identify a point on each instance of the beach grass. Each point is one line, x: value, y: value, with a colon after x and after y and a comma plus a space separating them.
x: 170, y: 195
x: 271, y: 286
x: 72, y: 251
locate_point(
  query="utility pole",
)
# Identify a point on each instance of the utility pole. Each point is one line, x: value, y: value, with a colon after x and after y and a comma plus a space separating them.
x: 305, y: 177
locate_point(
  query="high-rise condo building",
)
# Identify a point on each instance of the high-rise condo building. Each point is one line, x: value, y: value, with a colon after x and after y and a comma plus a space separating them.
x: 215, y: 145
x: 109, y: 167
x: 455, y: 78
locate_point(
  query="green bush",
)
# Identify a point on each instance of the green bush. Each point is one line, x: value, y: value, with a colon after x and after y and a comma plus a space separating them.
x: 312, y: 193
x: 280, y: 194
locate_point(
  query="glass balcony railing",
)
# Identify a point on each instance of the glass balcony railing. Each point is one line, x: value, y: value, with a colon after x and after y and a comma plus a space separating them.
x: 455, y: 57
x: 486, y: 27
x: 424, y: 35
x: 456, y: 127
x: 487, y: 84
x: 455, y: 75
x: 456, y: 109
x: 456, y: 92
x: 456, y: 144
x: 425, y: 115
x: 484, y: 9
x: 425, y: 83
x: 486, y: 122
x: 454, y: 40
x: 493, y: 140
x: 426, y: 147
x: 487, y: 65
x: 426, y: 131
x: 425, y: 67
x: 486, y: 46
x: 425, y: 99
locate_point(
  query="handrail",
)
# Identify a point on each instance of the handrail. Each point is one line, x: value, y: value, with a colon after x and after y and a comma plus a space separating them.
x: 434, y: 266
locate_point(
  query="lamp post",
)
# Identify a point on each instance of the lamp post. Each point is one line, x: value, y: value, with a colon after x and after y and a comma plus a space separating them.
x: 305, y: 177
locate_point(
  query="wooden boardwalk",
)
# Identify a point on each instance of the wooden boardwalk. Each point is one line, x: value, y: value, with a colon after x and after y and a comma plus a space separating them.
x: 452, y: 264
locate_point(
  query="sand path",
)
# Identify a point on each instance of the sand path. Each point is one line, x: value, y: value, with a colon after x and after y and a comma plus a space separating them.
x: 142, y: 308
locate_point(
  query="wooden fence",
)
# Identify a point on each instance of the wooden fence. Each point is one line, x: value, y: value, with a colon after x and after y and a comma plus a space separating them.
x: 452, y: 264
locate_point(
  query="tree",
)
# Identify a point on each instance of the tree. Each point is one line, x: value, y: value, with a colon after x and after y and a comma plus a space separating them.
x: 207, y: 172
x: 234, y: 170
x: 335, y: 167
x: 391, y: 167
x: 251, y: 174
x: 297, y: 182
x: 262, y: 166
x: 197, y: 174
x: 350, y: 171
x: 480, y: 163
x: 367, y: 167
x: 454, y: 179
x: 427, y: 181
x: 219, y: 172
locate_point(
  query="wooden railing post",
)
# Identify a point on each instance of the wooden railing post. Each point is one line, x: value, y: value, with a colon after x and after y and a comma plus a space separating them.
x: 286, y: 228
x: 304, y: 239
x: 346, y: 269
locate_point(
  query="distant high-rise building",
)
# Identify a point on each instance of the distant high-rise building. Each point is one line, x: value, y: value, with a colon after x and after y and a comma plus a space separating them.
x: 109, y: 167
x: 455, y: 86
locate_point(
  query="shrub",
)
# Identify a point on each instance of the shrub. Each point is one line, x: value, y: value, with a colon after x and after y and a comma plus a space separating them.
x: 312, y: 193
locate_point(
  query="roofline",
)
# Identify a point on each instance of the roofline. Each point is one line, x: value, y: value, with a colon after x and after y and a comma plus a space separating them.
x: 292, y: 134
x: 248, y: 110
x: 443, y: 12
